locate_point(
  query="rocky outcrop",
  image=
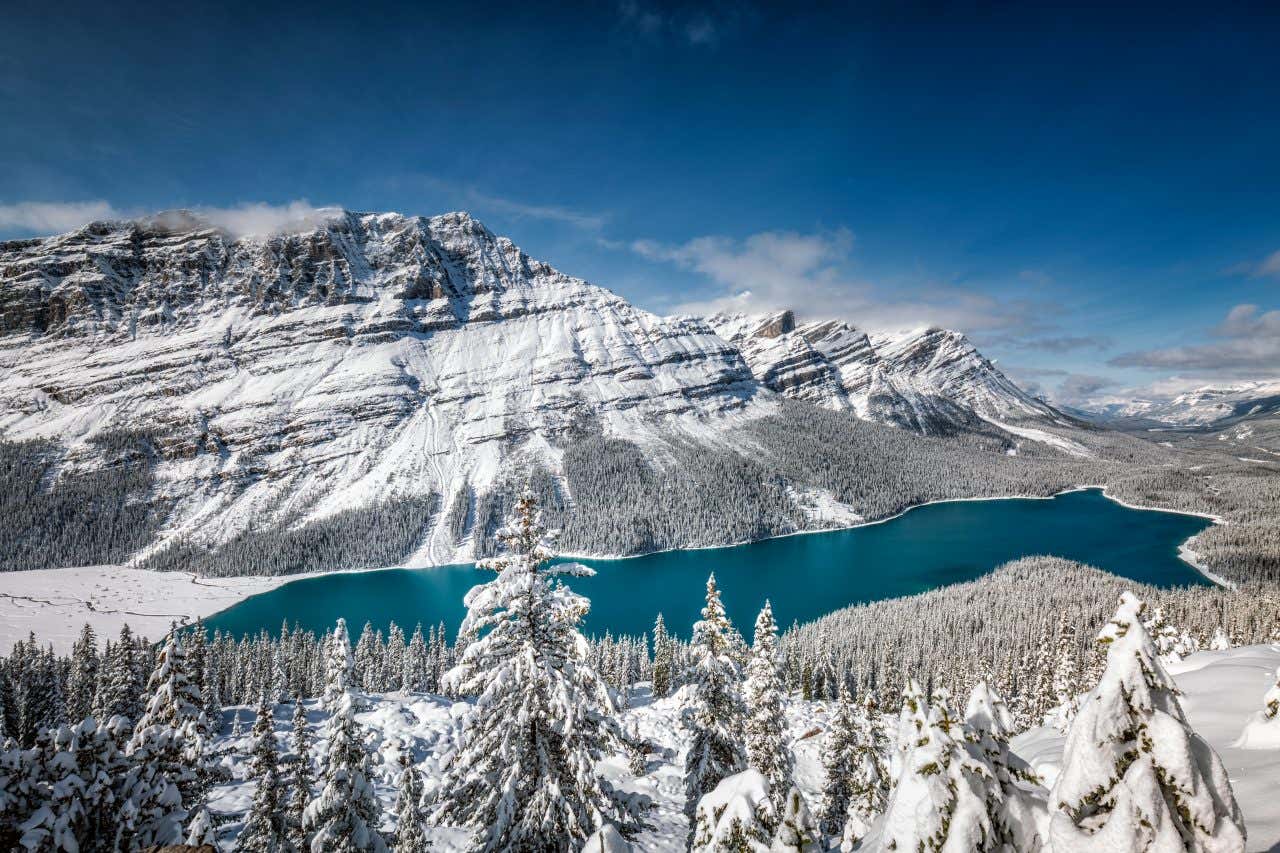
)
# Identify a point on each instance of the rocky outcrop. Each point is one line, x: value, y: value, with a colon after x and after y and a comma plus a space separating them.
x: 929, y: 380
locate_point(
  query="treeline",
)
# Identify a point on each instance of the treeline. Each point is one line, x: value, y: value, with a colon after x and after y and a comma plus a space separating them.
x: 367, y: 537
x: 104, y: 514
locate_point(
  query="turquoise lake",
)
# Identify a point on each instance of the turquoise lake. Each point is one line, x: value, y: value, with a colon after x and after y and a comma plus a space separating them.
x: 804, y: 576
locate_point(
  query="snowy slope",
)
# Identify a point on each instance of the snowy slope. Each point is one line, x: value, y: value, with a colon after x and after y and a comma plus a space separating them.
x: 929, y: 380
x: 1221, y: 691
x: 290, y: 377
x: 377, y: 357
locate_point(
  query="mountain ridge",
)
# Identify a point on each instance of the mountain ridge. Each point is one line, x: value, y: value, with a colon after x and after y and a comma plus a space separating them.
x: 371, y: 357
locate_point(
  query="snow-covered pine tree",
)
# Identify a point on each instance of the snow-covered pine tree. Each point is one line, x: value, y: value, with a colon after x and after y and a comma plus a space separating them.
x: 662, y: 659
x: 344, y: 816
x: 302, y: 777
x: 763, y: 695
x: 797, y: 831
x: 339, y: 666
x: 119, y: 688
x: 82, y: 682
x: 869, y: 787
x: 366, y: 660
x: 1066, y: 677
x: 839, y: 759
x: 524, y: 777
x: 172, y: 734
x: 393, y: 666
x: 411, y: 835
x: 266, y: 827
x: 1134, y: 775
x: 939, y: 800
x: 416, y: 663
x: 735, y: 816
x: 913, y: 719
x: 1019, y: 817
x: 714, y: 715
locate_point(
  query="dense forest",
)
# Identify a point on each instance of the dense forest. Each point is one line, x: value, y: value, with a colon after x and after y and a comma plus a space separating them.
x: 120, y: 746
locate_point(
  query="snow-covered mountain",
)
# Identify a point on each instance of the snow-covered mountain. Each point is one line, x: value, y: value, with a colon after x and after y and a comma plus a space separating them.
x: 371, y: 357
x: 1220, y: 405
x: 930, y: 380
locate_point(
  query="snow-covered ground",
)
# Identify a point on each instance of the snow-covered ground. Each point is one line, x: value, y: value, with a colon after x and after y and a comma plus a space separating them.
x: 56, y: 603
x: 1222, y: 691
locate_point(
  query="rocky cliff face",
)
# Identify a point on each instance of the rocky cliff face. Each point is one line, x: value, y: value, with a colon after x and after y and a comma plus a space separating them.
x: 929, y: 380
x: 377, y: 356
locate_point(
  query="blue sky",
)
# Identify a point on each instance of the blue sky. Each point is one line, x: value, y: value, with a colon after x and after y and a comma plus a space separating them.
x: 1090, y: 193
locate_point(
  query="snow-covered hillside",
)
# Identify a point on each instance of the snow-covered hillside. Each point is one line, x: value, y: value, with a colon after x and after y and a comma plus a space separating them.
x: 1221, y: 692
x: 298, y: 375
x: 929, y: 380
x: 370, y: 359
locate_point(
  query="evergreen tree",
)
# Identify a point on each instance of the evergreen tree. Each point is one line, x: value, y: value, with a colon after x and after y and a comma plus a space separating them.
x: 1016, y: 815
x: 870, y: 781
x: 300, y: 787
x: 416, y: 664
x: 82, y: 682
x: 171, y: 736
x: 266, y: 826
x: 714, y: 716
x: 120, y: 688
x: 339, y: 667
x: 525, y: 775
x: 797, y: 831
x: 840, y: 760
x: 662, y: 674
x: 343, y: 817
x: 1066, y: 677
x: 939, y: 801
x: 735, y: 816
x: 1134, y: 775
x: 766, y: 723
x: 411, y: 836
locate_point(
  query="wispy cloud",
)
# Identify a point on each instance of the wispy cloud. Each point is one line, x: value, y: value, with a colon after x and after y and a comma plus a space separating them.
x: 810, y: 273
x: 697, y: 25
x: 1246, y: 342
x: 1060, y: 343
x: 545, y: 212
x: 52, y: 217
x: 1268, y: 267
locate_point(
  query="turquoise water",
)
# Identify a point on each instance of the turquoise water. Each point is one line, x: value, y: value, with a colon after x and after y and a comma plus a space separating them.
x: 804, y: 576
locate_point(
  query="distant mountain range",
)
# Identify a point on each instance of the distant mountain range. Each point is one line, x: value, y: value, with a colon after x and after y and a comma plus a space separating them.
x: 1212, y: 407
x: 295, y: 376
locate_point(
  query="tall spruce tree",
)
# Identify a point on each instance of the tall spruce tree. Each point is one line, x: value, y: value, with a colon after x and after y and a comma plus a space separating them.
x: 411, y: 835
x: 662, y: 659
x: 302, y: 777
x: 766, y: 725
x: 839, y: 759
x: 1134, y: 774
x: 344, y: 816
x: 715, y: 716
x: 266, y: 828
x: 82, y: 681
x: 525, y: 778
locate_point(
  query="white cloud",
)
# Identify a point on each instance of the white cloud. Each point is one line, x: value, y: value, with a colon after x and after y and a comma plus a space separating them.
x: 698, y: 27
x: 546, y: 212
x: 1247, y: 344
x: 809, y: 273
x: 261, y: 218
x: 52, y: 217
